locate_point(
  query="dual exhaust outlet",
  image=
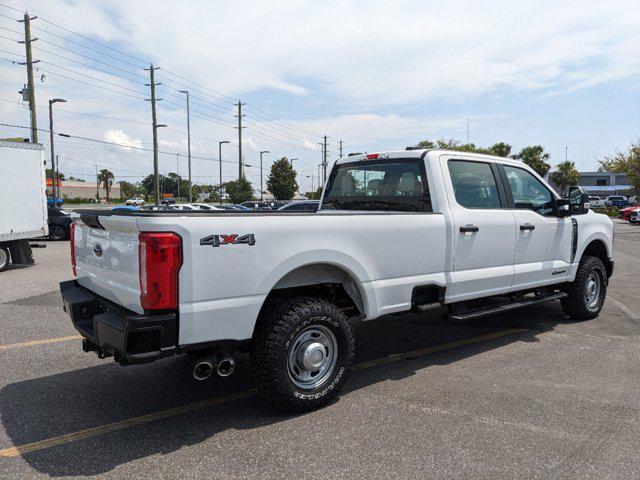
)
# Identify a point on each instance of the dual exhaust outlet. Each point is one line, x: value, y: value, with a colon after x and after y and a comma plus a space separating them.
x: 207, y: 364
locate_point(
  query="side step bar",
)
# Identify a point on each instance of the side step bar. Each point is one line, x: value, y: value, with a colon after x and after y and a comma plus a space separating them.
x: 481, y: 312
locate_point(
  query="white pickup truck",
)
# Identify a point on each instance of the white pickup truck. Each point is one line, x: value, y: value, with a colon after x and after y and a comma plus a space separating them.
x: 396, y: 232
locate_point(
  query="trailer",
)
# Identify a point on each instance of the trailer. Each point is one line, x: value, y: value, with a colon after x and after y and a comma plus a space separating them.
x: 23, y: 200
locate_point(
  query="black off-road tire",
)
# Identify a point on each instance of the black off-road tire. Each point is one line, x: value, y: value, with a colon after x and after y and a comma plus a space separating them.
x: 575, y: 305
x: 5, y: 258
x: 283, y: 323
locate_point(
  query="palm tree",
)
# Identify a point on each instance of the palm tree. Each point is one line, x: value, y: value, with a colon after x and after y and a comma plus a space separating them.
x: 536, y: 158
x: 565, y: 175
x: 105, y: 177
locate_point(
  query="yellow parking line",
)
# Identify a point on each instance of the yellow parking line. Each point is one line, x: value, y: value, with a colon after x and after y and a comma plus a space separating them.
x: 192, y: 407
x: 46, y: 341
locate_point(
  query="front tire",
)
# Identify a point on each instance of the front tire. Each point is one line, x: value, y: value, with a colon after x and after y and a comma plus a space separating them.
x: 57, y: 233
x: 303, y: 353
x: 5, y: 258
x: 588, y: 291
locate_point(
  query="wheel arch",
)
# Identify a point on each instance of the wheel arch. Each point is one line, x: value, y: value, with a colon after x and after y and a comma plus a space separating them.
x: 597, y: 247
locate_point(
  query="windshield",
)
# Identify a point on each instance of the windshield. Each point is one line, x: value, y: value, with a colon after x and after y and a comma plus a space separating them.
x: 382, y: 185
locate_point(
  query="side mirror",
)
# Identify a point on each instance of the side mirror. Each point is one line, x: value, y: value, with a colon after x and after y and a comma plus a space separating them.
x: 578, y: 201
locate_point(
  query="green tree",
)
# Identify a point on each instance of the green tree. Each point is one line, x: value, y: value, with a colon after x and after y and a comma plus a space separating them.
x: 105, y: 177
x: 314, y: 195
x: 128, y: 189
x: 565, y: 175
x: 501, y: 149
x: 49, y: 174
x: 627, y: 162
x: 535, y: 157
x: 239, y: 190
x: 282, y: 180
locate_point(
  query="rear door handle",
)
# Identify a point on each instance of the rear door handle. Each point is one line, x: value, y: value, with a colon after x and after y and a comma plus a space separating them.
x: 469, y: 229
x: 527, y: 226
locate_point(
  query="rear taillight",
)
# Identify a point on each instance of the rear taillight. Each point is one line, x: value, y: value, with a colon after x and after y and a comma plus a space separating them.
x: 160, y: 256
x: 72, y: 241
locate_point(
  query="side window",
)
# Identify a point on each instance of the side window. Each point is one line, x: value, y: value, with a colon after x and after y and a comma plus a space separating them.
x: 528, y: 192
x: 474, y: 184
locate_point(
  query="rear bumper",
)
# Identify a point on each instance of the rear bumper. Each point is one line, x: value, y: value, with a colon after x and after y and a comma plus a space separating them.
x: 111, y: 330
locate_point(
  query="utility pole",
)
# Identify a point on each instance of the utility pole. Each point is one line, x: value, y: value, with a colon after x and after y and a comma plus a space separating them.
x: 324, y: 159
x: 178, y: 172
x: 97, y: 185
x: 29, y: 63
x: 220, y: 161
x: 467, y: 130
x: 261, y: 188
x: 566, y: 154
x: 188, y: 142
x: 52, y: 147
x: 340, y: 148
x: 239, y: 127
x: 152, y: 83
x: 291, y: 160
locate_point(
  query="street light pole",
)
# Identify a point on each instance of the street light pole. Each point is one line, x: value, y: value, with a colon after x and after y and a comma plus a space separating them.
x: 261, y: 189
x: 53, y: 155
x: 220, y: 162
x: 178, y: 172
x: 188, y: 142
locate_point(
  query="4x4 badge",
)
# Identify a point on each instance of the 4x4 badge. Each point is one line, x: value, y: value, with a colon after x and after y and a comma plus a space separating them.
x: 228, y: 239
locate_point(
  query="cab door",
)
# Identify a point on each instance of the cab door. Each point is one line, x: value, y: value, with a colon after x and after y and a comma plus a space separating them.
x: 484, y: 230
x: 543, y: 240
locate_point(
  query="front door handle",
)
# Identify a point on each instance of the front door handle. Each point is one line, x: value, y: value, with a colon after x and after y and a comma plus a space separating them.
x: 527, y: 226
x: 469, y: 228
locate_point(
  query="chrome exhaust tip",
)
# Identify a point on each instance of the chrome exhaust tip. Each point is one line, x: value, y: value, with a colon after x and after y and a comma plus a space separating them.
x: 226, y: 366
x: 203, y: 368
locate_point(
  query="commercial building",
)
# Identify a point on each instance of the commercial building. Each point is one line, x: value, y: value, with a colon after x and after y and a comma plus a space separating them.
x: 602, y: 183
x: 76, y: 189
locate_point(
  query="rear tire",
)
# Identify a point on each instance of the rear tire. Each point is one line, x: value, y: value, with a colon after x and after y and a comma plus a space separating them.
x: 5, y: 258
x: 303, y: 353
x: 588, y: 291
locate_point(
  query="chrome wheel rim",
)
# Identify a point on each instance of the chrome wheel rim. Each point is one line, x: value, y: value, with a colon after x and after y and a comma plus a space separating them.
x: 312, y: 357
x: 4, y: 258
x: 592, y: 290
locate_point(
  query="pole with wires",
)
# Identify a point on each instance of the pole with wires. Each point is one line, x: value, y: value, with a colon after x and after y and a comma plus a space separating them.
x: 239, y: 127
x: 340, y: 148
x: 324, y: 160
x: 188, y: 142
x: 261, y: 187
x: 178, y: 172
x: 152, y: 84
x: 220, y: 162
x: 30, y: 84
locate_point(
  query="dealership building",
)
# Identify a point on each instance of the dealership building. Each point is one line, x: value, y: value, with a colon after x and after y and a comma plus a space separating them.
x: 76, y: 189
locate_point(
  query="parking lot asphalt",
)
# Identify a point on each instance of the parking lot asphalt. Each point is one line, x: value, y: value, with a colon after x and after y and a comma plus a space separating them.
x: 528, y: 394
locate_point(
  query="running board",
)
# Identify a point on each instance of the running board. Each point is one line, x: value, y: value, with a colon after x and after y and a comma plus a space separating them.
x: 481, y: 312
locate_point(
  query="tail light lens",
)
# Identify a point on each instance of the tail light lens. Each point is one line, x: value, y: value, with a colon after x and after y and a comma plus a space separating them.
x: 160, y: 256
x: 72, y: 241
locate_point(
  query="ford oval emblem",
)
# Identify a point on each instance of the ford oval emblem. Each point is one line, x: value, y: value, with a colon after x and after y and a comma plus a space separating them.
x: 97, y: 249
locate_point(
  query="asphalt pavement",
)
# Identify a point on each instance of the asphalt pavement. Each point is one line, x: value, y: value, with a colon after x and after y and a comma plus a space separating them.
x: 529, y: 394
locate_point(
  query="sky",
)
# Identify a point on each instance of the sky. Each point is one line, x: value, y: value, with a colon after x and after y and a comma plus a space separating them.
x: 377, y: 75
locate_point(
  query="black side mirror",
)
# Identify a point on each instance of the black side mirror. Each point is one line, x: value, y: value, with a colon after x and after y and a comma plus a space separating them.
x: 578, y: 201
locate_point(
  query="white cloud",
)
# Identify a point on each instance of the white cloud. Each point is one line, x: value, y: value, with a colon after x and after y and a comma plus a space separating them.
x: 121, y: 138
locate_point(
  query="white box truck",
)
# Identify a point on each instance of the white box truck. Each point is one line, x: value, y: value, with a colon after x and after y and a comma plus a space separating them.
x: 23, y: 200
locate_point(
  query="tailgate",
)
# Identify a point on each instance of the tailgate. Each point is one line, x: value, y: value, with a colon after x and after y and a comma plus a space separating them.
x: 106, y: 252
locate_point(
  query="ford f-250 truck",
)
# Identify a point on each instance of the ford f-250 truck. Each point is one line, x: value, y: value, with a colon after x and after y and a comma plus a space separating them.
x: 396, y: 232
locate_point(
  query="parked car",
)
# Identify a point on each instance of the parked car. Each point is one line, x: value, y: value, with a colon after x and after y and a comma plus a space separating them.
x: 168, y: 201
x: 396, y: 232
x: 206, y: 206
x: 258, y: 206
x: 135, y: 201
x: 301, y: 206
x: 126, y: 207
x: 616, y: 201
x: 59, y: 202
x: 59, y: 223
x: 625, y: 213
x: 634, y: 215
x: 596, y: 201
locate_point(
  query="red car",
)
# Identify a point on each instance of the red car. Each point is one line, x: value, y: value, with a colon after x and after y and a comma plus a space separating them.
x: 625, y: 213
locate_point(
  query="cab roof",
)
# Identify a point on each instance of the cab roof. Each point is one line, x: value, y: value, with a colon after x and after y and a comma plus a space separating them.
x: 397, y: 154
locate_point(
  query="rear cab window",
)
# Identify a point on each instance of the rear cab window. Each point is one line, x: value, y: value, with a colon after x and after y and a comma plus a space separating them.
x: 474, y: 184
x: 379, y: 185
